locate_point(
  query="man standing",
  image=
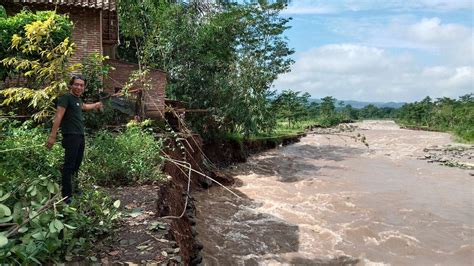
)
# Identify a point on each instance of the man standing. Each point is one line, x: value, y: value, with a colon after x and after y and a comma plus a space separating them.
x: 69, y: 118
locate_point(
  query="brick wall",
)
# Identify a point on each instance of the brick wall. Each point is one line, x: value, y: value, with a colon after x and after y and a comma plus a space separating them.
x: 87, y: 33
x: 154, y: 98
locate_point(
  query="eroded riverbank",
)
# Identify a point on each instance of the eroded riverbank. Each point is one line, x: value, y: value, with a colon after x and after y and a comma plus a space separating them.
x: 331, y: 200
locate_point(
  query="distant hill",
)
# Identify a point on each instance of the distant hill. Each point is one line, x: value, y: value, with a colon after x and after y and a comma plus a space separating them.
x: 359, y: 105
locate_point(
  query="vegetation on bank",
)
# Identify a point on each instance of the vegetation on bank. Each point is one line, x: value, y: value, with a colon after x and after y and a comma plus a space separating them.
x: 442, y: 114
x: 35, y: 225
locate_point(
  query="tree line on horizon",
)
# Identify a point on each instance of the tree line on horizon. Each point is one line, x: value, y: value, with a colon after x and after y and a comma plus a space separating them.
x: 442, y: 114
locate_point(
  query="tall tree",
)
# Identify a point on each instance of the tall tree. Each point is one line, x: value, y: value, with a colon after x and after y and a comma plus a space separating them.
x: 290, y: 106
x: 327, y: 106
x: 223, y: 57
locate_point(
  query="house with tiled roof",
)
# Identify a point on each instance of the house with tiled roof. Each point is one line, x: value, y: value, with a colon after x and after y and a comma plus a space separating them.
x: 96, y: 30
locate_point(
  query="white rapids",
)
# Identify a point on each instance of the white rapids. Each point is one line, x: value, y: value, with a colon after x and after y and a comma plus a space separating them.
x: 329, y: 200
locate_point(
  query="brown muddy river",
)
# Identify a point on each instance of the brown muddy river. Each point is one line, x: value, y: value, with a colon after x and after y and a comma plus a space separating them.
x: 330, y: 200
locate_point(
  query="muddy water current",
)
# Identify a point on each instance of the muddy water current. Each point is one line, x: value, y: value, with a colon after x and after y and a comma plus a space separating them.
x: 330, y: 200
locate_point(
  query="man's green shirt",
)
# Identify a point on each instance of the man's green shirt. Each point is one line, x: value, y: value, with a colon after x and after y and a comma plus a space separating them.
x: 73, y: 121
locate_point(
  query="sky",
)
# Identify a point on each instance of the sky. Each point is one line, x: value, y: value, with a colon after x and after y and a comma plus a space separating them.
x: 380, y: 50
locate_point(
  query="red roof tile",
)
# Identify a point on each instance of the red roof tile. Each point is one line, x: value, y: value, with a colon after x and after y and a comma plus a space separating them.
x: 99, y: 4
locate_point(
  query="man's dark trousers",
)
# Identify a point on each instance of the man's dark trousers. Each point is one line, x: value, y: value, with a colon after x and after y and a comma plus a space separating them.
x: 73, y: 145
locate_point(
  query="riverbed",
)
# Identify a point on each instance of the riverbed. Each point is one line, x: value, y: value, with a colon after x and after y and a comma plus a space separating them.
x: 331, y: 200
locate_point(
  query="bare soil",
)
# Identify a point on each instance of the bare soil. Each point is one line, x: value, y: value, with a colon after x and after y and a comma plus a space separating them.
x: 142, y: 237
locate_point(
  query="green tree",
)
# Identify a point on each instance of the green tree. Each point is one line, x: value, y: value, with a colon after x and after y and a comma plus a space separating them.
x: 349, y: 113
x: 327, y: 106
x: 221, y: 57
x: 290, y: 106
x: 313, y: 110
x: 444, y: 114
x: 370, y: 111
x: 42, y: 63
x: 10, y: 25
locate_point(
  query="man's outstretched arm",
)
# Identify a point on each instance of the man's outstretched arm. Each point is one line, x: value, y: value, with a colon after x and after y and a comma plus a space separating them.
x: 91, y: 106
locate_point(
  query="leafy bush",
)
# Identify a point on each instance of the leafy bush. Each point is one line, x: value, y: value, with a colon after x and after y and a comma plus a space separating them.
x: 465, y: 132
x: 36, y: 227
x: 21, y: 163
x: 43, y: 229
x: 38, y: 62
x: 3, y: 12
x: 94, y: 70
x: 329, y: 121
x: 132, y: 155
x: 16, y: 25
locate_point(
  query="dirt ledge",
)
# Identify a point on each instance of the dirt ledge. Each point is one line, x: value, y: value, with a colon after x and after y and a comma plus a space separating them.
x: 226, y: 152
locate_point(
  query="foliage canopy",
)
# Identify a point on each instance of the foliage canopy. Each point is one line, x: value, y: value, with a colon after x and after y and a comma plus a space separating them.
x: 38, y: 60
x: 221, y: 57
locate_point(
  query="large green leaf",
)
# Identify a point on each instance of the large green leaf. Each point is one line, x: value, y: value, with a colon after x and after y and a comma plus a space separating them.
x: 52, y: 228
x: 3, y: 241
x: 6, y: 219
x: 23, y: 229
x: 51, y: 188
x: 39, y: 235
x: 4, y: 197
x: 70, y: 226
x: 4, y: 210
x: 58, y: 224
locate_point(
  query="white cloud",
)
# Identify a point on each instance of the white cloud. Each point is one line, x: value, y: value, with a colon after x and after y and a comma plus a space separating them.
x: 444, y: 4
x: 453, y: 42
x: 459, y: 78
x: 325, y: 7
x: 430, y: 30
x: 447, y: 43
x: 310, y: 7
x: 308, y: 10
x: 352, y: 71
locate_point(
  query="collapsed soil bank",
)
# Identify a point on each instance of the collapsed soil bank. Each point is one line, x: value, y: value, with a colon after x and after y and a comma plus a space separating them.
x: 172, y: 195
x: 225, y: 152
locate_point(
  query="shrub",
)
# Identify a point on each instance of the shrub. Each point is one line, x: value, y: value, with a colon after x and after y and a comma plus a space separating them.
x: 36, y: 227
x: 43, y: 229
x: 30, y: 162
x: 94, y: 70
x: 39, y: 62
x: 131, y: 156
x: 330, y: 120
x: 16, y: 25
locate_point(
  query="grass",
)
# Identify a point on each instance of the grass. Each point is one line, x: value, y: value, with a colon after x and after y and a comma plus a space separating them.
x: 461, y: 134
x: 282, y: 128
